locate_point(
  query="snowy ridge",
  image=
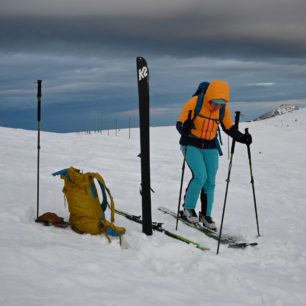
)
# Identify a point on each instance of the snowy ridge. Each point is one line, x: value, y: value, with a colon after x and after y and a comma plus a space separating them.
x: 42, y: 265
x: 281, y: 110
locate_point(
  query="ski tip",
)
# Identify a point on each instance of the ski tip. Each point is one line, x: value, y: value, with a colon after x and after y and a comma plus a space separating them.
x: 140, y: 59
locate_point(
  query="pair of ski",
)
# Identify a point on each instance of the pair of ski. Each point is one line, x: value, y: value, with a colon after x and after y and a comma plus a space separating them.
x: 231, y: 241
x: 159, y: 227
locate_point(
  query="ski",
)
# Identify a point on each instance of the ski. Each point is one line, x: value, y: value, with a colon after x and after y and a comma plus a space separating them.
x: 144, y: 124
x: 158, y: 227
x: 231, y: 240
x: 241, y: 245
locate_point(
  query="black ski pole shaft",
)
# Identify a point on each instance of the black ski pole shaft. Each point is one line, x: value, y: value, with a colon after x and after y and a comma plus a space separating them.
x: 237, y: 117
x: 38, y: 139
x: 252, y: 182
x: 182, y: 179
x: 228, y: 151
x: 181, y: 187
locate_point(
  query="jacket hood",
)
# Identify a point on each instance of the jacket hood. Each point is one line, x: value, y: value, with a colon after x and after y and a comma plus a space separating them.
x: 217, y: 89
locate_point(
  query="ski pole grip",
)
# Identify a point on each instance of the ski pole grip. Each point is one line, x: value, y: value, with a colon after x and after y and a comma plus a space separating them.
x: 237, y: 118
x: 246, y: 130
x: 189, y: 114
x: 39, y: 88
x: 39, y: 99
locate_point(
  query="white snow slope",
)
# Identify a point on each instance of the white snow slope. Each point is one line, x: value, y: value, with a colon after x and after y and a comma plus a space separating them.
x: 42, y: 265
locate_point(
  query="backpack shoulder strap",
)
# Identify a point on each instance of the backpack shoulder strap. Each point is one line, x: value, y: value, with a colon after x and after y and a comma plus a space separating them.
x: 108, y: 228
x: 105, y: 190
x: 199, y: 104
x: 222, y: 112
x: 221, y: 116
x: 200, y: 92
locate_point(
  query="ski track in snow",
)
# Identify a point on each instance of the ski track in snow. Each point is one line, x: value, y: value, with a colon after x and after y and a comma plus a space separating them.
x: 42, y: 265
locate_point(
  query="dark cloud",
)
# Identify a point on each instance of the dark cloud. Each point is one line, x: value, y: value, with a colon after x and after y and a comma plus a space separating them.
x: 202, y: 28
x: 85, y: 53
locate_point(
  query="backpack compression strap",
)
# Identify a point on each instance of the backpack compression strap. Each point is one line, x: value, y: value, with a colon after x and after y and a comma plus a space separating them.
x: 104, y: 190
x: 108, y: 228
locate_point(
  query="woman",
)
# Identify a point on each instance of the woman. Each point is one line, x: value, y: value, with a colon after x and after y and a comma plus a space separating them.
x: 200, y: 146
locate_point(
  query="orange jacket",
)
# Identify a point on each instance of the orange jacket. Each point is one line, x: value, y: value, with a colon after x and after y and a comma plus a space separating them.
x: 206, y: 122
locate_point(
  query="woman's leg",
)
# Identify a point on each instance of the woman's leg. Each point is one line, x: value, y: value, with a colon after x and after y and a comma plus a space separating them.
x: 211, y: 159
x: 195, y: 161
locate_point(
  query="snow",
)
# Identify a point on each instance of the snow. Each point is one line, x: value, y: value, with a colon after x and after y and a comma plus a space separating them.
x: 42, y: 265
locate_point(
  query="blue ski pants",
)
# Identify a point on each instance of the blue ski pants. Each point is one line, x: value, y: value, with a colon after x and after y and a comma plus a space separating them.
x: 203, y: 164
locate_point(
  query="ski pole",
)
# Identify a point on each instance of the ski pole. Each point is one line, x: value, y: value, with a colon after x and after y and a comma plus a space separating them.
x: 237, y: 117
x: 252, y: 182
x: 228, y: 150
x: 182, y: 178
x: 38, y: 137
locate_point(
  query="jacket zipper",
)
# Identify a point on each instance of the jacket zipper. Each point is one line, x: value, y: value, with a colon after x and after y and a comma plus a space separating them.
x: 202, y: 130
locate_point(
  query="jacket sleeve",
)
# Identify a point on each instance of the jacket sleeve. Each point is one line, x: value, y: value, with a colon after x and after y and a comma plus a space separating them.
x: 188, y: 106
x: 233, y: 132
x: 179, y: 127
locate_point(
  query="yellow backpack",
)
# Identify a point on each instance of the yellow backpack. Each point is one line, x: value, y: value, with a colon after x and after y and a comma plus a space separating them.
x: 87, y: 214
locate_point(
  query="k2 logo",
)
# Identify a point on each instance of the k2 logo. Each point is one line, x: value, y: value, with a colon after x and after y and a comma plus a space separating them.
x: 142, y: 73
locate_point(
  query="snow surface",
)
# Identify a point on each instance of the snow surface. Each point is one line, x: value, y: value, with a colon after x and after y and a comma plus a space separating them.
x: 42, y: 265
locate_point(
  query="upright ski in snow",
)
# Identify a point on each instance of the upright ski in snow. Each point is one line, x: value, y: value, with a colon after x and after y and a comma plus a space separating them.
x: 144, y: 122
x: 231, y: 240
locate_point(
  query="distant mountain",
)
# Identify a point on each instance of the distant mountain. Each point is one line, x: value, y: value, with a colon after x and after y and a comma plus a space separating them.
x: 282, y: 109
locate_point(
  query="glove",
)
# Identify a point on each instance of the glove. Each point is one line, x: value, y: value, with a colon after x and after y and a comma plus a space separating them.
x: 245, y: 138
x: 188, y: 125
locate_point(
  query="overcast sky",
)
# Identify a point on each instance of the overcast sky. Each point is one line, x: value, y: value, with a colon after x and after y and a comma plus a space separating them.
x: 85, y: 53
